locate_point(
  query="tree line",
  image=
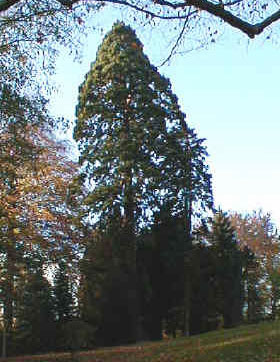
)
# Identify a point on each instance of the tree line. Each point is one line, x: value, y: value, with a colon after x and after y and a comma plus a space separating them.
x: 127, y: 244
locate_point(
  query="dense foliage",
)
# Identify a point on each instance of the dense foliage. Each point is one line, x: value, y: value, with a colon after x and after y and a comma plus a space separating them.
x: 126, y: 246
x: 139, y: 157
x: 37, y: 227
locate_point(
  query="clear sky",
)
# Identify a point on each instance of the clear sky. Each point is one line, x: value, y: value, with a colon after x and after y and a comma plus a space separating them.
x: 230, y: 93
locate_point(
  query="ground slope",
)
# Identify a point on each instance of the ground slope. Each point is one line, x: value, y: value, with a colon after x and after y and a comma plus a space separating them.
x: 244, y: 344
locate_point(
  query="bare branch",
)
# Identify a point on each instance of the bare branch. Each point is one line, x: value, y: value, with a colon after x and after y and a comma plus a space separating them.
x: 268, y: 21
x: 152, y: 14
x: 232, y: 3
x: 176, y: 43
x: 219, y: 10
x: 169, y: 4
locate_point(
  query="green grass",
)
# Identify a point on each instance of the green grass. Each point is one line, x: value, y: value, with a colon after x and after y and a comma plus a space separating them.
x: 254, y: 343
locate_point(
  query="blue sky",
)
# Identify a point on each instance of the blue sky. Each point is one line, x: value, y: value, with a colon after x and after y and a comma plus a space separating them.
x: 230, y: 93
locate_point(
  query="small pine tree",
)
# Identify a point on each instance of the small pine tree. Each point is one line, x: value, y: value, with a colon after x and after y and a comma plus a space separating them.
x: 35, y: 322
x: 252, y: 276
x: 63, y: 298
x: 204, y: 297
x: 228, y: 270
x: 63, y: 302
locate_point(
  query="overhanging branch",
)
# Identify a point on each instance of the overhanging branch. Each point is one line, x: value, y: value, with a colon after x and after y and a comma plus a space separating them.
x: 6, y: 4
x: 268, y: 21
x: 219, y: 10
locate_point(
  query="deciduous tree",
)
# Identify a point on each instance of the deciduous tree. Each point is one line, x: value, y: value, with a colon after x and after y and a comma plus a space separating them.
x: 34, y: 217
x: 258, y: 235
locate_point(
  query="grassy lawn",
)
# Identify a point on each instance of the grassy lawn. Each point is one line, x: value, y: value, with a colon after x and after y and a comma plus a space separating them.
x: 254, y: 343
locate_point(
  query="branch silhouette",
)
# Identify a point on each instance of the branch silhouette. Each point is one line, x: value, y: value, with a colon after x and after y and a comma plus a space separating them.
x: 159, y: 8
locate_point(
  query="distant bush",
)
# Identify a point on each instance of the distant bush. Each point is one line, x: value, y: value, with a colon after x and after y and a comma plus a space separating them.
x: 77, y: 335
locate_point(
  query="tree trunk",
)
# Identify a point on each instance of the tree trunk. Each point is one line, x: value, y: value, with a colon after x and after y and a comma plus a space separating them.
x: 187, y: 302
x: 4, y: 340
x: 128, y: 253
x: 8, y: 289
x: 273, y: 303
x: 187, y: 269
x: 8, y: 296
x: 8, y: 299
x: 188, y: 231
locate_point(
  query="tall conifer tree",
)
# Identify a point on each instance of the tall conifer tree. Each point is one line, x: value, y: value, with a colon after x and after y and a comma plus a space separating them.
x: 137, y: 152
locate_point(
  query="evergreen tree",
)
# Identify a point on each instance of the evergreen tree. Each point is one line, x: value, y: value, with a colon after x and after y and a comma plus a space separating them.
x: 136, y: 150
x: 106, y: 300
x: 35, y: 328
x: 63, y: 297
x: 205, y: 290
x: 228, y: 270
x: 161, y: 273
x: 63, y: 303
x: 253, y: 276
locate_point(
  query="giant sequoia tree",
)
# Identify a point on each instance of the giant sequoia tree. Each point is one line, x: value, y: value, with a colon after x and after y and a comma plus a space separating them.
x: 136, y: 149
x: 137, y: 153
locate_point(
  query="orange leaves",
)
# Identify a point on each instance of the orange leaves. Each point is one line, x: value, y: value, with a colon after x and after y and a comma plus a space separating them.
x: 257, y: 232
x: 16, y: 231
x: 33, y: 191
